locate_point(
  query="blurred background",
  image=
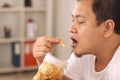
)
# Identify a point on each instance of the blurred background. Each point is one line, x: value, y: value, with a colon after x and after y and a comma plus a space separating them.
x: 21, y: 22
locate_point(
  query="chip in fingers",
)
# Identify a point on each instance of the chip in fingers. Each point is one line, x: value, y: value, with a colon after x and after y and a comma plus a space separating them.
x: 62, y: 43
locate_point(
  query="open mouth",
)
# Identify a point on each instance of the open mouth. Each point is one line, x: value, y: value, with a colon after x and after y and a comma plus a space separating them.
x: 74, y: 42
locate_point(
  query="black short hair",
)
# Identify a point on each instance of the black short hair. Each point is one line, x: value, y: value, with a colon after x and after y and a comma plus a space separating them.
x: 107, y: 9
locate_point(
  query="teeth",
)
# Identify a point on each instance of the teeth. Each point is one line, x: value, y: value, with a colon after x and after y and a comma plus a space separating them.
x: 62, y: 43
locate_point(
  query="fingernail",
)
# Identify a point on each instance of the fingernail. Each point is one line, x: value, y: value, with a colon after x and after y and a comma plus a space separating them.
x: 57, y: 39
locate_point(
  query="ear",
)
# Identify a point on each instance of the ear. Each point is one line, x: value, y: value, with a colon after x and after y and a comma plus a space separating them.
x: 109, y: 27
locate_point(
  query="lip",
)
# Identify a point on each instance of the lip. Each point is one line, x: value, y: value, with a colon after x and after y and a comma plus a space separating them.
x: 74, y: 42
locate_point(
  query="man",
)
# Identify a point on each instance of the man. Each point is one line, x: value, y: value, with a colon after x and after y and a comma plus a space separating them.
x: 95, y: 35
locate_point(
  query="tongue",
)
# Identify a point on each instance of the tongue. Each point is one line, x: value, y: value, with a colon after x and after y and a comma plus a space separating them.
x: 74, y: 44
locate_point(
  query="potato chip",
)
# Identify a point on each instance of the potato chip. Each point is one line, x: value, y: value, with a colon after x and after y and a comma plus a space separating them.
x: 62, y: 43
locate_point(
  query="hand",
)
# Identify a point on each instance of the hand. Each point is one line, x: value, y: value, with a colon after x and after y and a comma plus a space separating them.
x: 42, y: 46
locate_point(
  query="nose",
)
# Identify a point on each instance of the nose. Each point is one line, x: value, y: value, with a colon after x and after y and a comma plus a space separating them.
x: 72, y: 29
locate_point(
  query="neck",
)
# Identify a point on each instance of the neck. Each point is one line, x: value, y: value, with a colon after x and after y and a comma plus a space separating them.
x: 104, y: 57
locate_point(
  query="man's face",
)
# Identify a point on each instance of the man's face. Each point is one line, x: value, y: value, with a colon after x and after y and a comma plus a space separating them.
x: 85, y: 34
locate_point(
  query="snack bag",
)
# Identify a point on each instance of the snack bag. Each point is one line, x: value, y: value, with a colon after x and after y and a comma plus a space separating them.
x: 51, y: 68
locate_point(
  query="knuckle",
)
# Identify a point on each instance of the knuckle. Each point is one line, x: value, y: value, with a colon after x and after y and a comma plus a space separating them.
x: 42, y: 38
x: 44, y: 48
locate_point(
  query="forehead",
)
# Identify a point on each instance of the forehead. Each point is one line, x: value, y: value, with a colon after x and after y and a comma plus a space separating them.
x: 83, y: 8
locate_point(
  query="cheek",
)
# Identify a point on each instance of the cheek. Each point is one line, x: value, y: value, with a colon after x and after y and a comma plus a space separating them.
x: 88, y: 38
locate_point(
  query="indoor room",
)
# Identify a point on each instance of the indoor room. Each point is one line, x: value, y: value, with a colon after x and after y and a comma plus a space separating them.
x: 59, y: 39
x: 21, y: 23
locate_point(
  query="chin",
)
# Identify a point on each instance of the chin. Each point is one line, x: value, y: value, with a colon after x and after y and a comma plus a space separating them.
x: 78, y: 54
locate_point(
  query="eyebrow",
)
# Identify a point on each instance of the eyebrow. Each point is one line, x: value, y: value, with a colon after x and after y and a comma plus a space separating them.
x: 79, y: 16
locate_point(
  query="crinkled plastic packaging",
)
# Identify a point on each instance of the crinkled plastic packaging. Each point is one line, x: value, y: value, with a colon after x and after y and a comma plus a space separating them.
x: 51, y: 68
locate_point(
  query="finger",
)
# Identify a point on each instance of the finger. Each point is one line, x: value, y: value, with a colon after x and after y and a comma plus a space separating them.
x: 49, y: 39
x: 41, y: 54
x: 42, y: 49
x: 42, y: 43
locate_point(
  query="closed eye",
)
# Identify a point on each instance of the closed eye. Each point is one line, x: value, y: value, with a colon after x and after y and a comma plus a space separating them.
x: 82, y: 22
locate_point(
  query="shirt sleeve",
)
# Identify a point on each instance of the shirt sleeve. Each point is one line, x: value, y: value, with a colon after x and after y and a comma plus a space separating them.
x: 73, y: 69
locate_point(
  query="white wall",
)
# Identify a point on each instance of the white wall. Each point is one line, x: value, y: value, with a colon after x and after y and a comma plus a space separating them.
x: 62, y: 22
